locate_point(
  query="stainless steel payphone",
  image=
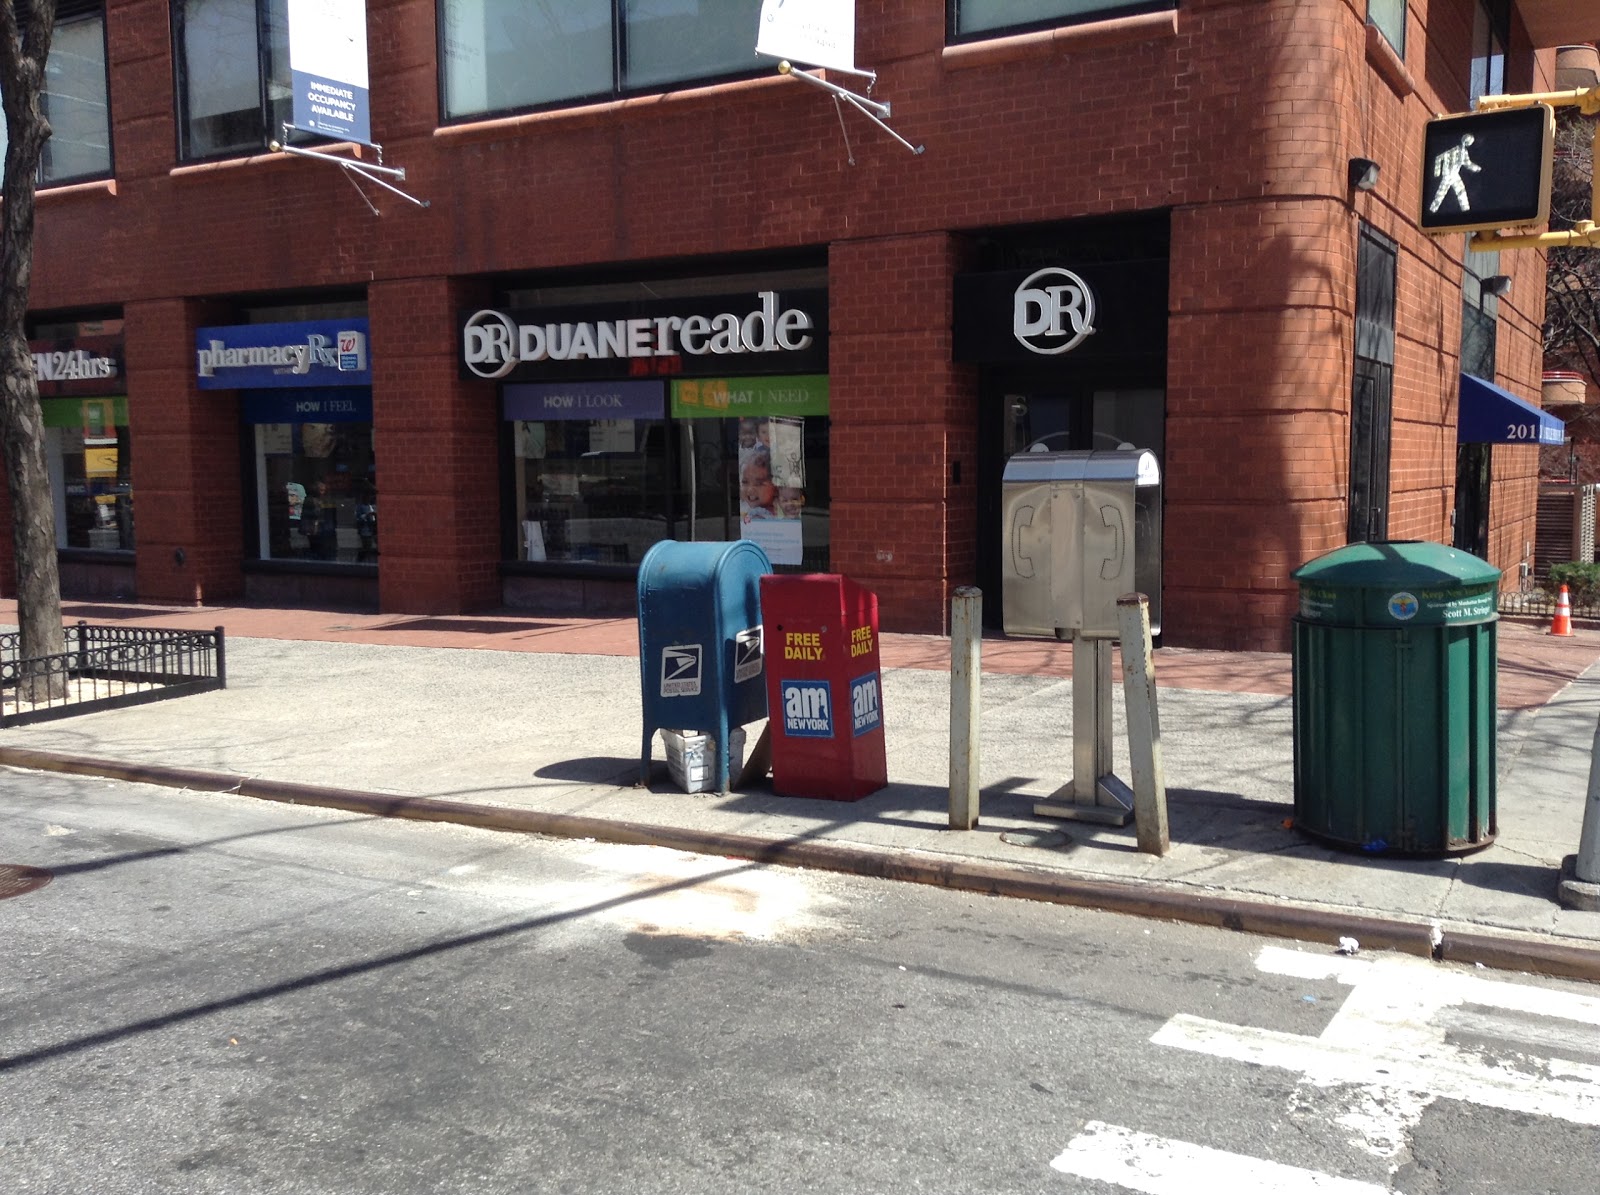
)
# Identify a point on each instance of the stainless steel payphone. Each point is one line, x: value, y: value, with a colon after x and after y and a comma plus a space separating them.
x: 1081, y: 530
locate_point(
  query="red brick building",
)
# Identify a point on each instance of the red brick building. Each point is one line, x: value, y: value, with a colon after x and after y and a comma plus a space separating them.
x: 1286, y: 341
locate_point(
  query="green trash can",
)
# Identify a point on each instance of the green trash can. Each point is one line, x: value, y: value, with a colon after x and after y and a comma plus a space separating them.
x: 1394, y: 699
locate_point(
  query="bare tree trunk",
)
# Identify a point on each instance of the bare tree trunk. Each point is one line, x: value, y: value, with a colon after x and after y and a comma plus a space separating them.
x: 22, y: 58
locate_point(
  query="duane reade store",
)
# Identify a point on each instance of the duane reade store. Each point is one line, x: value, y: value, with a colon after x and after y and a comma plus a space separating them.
x: 739, y: 317
x: 686, y: 416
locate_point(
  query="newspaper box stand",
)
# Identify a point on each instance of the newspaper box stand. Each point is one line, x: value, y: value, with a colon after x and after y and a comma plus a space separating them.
x: 700, y: 657
x: 824, y: 691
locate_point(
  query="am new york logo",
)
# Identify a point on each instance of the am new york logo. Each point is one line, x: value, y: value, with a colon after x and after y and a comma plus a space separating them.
x: 866, y: 711
x: 807, y: 708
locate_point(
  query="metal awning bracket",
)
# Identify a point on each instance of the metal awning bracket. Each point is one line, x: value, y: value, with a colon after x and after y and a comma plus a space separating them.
x: 371, y: 171
x: 874, y: 110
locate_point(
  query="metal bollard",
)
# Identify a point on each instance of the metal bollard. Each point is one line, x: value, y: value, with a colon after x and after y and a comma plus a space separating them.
x: 1144, y: 725
x: 1587, y: 865
x: 966, y: 632
x: 1579, y: 887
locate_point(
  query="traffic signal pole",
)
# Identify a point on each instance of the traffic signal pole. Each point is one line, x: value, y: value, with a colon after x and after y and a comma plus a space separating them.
x: 1584, y: 232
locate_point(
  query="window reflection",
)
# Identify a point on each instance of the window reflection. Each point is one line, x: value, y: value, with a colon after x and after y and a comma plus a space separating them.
x: 505, y: 55
x: 232, y: 101
x: 90, y: 457
x: 605, y: 491
x: 320, y: 491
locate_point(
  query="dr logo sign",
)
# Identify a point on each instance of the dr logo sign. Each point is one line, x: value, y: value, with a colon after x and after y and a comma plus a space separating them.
x: 1052, y: 311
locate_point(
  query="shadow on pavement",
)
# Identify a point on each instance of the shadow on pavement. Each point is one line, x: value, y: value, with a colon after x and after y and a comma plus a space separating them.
x: 469, y: 626
x: 593, y: 769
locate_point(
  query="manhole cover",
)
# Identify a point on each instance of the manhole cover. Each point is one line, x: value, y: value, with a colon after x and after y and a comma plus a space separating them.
x: 1044, y: 838
x: 16, y: 879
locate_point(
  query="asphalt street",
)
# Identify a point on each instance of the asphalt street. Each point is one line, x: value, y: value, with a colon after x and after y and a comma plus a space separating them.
x: 213, y: 994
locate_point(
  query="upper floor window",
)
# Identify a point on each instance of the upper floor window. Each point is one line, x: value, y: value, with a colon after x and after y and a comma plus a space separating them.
x: 1388, y: 17
x: 975, y: 18
x: 1491, y: 29
x: 73, y: 98
x: 233, y: 75
x: 509, y: 55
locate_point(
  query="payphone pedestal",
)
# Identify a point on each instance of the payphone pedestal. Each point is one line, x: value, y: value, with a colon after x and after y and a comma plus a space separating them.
x: 1094, y: 794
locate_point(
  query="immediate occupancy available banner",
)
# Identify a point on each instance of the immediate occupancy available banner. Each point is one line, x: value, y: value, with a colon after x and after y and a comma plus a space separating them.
x: 328, y: 68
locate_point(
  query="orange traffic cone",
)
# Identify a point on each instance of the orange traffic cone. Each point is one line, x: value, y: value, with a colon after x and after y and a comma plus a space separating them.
x: 1561, y: 624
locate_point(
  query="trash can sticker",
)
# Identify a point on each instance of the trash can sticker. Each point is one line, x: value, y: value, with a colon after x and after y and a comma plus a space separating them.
x: 807, y: 708
x: 865, y: 708
x: 1317, y: 603
x: 680, y: 670
x: 746, y: 655
x: 1403, y: 606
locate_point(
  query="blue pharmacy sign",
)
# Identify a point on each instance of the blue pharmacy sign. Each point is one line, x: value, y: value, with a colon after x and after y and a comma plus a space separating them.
x: 274, y: 356
x: 328, y: 68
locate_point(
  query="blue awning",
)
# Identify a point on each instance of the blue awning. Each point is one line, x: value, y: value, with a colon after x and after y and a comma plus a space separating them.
x: 1491, y: 415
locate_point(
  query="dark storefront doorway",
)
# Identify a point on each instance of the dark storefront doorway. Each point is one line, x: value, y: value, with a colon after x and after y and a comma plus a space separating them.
x: 1069, y: 329
x: 1022, y: 409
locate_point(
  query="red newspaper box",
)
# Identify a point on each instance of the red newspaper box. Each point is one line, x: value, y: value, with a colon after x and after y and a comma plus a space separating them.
x: 824, y: 692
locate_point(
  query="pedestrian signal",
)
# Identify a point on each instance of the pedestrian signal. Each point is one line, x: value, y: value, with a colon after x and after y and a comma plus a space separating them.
x: 1487, y: 170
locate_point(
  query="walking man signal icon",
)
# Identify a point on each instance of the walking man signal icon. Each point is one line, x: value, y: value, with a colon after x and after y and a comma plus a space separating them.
x: 1447, y: 168
x: 1485, y: 171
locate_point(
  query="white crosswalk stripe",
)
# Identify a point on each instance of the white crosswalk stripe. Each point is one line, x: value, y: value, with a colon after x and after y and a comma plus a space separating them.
x: 1391, y: 1033
x: 1159, y: 1166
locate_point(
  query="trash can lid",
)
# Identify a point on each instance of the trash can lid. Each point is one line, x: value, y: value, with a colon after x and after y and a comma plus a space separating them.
x: 1396, y: 583
x: 1396, y: 562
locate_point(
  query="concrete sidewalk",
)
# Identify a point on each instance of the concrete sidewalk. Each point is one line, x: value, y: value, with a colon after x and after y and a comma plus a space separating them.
x: 533, y: 724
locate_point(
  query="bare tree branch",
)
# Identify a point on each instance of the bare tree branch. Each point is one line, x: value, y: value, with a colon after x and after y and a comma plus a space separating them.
x: 1572, y: 282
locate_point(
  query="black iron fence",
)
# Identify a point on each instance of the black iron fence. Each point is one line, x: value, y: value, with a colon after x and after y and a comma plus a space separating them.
x: 106, y: 667
x: 1535, y: 603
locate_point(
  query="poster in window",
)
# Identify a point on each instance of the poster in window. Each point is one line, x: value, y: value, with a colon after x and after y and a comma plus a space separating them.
x: 611, y: 435
x: 277, y: 439
x: 771, y: 465
x: 530, y: 440
x: 786, y: 438
x: 317, y: 440
x: 779, y: 538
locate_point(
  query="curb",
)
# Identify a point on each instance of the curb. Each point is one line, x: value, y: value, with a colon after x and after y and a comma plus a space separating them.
x: 1018, y: 881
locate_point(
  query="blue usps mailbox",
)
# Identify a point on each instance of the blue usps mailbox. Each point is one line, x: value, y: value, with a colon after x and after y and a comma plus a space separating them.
x: 700, y: 655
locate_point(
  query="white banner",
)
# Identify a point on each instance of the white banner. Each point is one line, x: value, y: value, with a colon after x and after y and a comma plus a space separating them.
x: 809, y: 32
x: 328, y: 68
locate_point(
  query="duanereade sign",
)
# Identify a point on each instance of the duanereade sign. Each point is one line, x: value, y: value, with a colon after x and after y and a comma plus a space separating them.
x: 768, y: 332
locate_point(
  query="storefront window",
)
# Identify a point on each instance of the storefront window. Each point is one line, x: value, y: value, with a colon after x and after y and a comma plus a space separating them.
x: 320, y: 492
x: 304, y: 388
x: 90, y: 460
x: 592, y: 490
x: 759, y: 448
x: 604, y: 491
